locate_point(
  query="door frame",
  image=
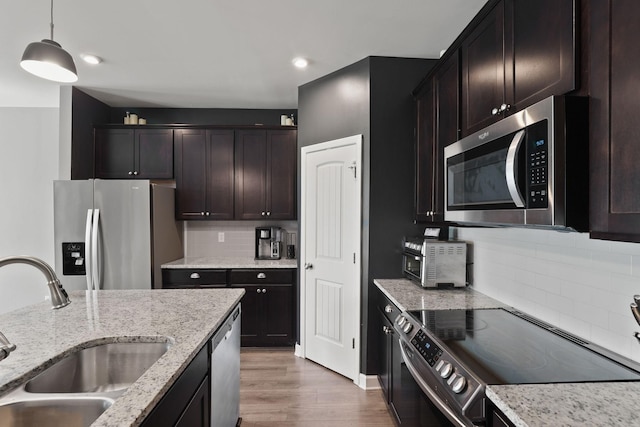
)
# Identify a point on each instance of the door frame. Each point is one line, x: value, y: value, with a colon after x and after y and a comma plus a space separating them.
x: 322, y: 146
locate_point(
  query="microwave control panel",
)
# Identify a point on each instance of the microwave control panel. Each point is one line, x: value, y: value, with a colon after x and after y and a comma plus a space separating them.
x: 537, y: 166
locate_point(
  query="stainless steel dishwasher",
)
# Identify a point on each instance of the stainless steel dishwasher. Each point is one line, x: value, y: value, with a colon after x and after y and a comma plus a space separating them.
x: 225, y: 372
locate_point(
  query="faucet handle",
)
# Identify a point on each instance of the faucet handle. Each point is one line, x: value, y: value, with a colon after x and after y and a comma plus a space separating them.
x: 636, y: 312
x: 5, y: 347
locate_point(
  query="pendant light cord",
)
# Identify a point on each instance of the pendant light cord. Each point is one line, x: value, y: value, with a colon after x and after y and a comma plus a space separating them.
x: 51, y: 23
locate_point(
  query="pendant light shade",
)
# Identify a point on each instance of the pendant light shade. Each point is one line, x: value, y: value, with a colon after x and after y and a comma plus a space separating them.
x: 47, y: 59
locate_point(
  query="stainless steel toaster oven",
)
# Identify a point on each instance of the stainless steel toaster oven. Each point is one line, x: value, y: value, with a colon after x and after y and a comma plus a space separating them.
x: 434, y: 263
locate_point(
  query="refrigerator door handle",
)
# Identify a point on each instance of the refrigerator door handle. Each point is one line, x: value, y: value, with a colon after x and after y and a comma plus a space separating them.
x: 95, y: 254
x: 87, y: 249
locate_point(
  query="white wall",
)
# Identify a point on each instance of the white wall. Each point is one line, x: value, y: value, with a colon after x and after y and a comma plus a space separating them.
x: 29, y: 158
x: 581, y: 285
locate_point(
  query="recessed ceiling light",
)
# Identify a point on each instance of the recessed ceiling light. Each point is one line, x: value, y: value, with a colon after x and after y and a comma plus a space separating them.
x: 91, y: 59
x: 300, y: 62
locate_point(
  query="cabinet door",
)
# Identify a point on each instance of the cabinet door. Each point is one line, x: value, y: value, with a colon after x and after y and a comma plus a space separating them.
x: 425, y: 150
x: 220, y: 174
x: 191, y: 173
x: 197, y: 412
x: 544, y: 49
x: 153, y: 154
x: 250, y: 169
x: 386, y: 345
x: 613, y: 125
x: 277, y: 303
x: 281, y: 174
x: 483, y: 72
x: 114, y: 153
x: 252, y: 315
x: 447, y: 88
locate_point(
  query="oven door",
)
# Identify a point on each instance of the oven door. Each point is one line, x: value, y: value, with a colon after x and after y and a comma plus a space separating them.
x: 412, y: 266
x: 428, y: 408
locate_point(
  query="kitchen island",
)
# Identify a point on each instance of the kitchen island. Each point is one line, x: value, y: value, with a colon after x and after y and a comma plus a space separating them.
x: 596, y: 404
x: 187, y: 319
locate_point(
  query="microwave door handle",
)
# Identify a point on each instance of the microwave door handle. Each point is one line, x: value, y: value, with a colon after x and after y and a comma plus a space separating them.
x: 510, y: 169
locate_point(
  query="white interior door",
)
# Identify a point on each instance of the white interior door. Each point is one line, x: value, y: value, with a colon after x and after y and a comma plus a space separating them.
x: 331, y: 236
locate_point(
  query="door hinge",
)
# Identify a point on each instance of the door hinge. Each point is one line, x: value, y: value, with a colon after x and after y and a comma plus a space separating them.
x: 353, y: 343
x: 354, y: 257
x: 353, y: 167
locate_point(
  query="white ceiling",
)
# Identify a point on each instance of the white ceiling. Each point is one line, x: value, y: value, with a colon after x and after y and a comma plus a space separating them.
x: 216, y: 53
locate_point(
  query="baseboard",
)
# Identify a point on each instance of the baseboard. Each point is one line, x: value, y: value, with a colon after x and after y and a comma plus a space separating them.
x: 298, y: 351
x: 368, y: 382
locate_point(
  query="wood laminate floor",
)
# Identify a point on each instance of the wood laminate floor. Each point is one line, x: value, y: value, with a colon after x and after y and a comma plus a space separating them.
x: 280, y: 389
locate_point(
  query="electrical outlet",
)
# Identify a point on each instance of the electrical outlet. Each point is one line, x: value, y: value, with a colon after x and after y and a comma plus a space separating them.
x: 220, y: 237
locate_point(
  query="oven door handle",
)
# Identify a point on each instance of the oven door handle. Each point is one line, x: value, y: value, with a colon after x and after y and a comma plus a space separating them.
x: 510, y: 169
x: 433, y: 397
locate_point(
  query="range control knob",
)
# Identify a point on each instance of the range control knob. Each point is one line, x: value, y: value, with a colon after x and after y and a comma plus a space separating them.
x: 446, y: 370
x: 401, y: 321
x: 459, y: 384
x: 407, y: 328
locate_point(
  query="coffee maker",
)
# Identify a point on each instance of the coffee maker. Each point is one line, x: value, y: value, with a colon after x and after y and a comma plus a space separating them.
x: 268, y: 242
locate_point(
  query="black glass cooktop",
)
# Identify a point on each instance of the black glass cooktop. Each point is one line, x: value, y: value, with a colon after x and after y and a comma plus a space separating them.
x: 503, y: 348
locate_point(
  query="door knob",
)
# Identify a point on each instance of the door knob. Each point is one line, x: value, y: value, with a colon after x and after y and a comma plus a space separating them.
x: 308, y: 266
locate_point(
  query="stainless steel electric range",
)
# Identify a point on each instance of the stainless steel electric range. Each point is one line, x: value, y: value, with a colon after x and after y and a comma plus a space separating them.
x: 454, y: 354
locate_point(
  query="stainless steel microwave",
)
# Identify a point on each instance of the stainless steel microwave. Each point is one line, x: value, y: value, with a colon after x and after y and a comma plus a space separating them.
x: 528, y: 169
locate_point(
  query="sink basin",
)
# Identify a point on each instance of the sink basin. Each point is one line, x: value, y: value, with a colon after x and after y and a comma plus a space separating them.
x: 64, y: 412
x: 100, y: 369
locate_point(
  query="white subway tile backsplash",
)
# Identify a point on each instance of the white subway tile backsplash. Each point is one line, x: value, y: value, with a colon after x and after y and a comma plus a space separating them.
x: 201, y: 237
x: 579, y: 284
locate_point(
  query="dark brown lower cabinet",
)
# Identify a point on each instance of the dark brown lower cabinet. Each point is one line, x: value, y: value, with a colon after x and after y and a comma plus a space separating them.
x: 389, y: 351
x: 187, y: 402
x: 267, y: 307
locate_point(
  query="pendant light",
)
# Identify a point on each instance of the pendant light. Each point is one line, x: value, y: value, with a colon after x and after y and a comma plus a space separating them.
x: 47, y: 59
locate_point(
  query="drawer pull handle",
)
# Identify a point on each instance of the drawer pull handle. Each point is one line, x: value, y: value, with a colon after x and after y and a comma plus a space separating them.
x: 262, y: 276
x: 195, y: 276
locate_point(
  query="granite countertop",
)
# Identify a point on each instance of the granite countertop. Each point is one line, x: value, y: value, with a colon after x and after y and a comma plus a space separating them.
x: 186, y: 318
x: 407, y: 295
x: 530, y: 405
x: 230, y: 262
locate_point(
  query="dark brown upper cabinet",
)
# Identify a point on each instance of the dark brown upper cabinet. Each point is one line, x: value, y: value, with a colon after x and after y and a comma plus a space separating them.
x: 265, y: 164
x: 519, y: 53
x: 437, y: 126
x: 204, y: 173
x: 613, y: 126
x: 125, y: 153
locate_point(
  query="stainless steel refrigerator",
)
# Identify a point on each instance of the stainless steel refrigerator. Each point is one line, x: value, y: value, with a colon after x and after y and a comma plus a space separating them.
x: 114, y: 234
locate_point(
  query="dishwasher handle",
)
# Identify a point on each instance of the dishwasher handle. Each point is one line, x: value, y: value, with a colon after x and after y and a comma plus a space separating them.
x: 226, y: 329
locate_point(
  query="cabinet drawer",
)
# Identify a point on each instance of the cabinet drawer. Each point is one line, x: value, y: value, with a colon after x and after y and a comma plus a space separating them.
x: 267, y: 276
x: 188, y: 277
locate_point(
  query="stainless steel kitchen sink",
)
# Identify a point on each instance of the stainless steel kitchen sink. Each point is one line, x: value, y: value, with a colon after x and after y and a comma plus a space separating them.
x: 76, y: 390
x: 53, y: 412
x: 101, y: 369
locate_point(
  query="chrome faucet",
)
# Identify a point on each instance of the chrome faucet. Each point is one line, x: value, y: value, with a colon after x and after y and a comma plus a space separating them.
x: 59, y: 297
x: 5, y: 347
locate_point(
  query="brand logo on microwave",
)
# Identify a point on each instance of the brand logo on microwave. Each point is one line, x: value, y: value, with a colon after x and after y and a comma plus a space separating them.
x: 483, y: 135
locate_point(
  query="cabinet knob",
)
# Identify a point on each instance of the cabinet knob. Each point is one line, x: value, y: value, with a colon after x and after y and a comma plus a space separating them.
x: 262, y: 276
x: 505, y: 107
x: 208, y: 213
x: 130, y: 173
x: 135, y: 172
x: 259, y: 290
x: 495, y: 111
x: 268, y: 213
x: 388, y: 309
x: 263, y: 213
x: 202, y: 213
x: 264, y: 291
